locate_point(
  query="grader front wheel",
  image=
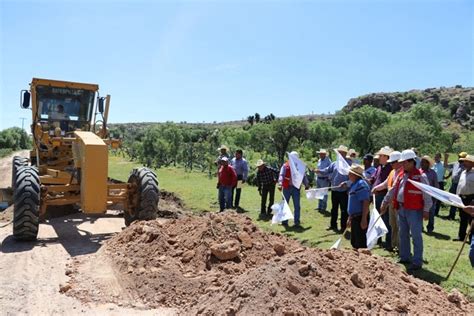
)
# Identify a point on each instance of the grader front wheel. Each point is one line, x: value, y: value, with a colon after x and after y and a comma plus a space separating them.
x: 17, y: 163
x: 27, y: 202
x: 144, y: 199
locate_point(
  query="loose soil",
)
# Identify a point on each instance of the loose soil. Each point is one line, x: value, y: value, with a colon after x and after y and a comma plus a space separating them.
x: 222, y: 264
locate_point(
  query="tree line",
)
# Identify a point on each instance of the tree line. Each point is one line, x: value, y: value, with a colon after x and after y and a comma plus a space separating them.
x: 365, y: 129
x: 12, y: 139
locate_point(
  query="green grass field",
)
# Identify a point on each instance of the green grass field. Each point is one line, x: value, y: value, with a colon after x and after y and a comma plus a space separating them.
x: 200, y: 195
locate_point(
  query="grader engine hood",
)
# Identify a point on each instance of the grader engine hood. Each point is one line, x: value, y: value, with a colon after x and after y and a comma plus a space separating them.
x: 91, y: 158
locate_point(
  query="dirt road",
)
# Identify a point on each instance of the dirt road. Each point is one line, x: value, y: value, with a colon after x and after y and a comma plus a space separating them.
x: 31, y: 273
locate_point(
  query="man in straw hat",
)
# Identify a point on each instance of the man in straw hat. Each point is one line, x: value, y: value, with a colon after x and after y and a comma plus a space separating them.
x: 223, y: 152
x: 358, y: 207
x: 388, y: 184
x: 426, y: 165
x: 455, y: 171
x: 322, y: 181
x: 466, y: 191
x: 352, y: 155
x: 383, y: 170
x: 338, y: 195
x: 266, y: 181
x: 413, y: 206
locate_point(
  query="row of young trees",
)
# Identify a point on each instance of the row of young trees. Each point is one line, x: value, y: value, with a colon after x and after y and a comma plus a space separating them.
x: 365, y: 129
x: 12, y: 139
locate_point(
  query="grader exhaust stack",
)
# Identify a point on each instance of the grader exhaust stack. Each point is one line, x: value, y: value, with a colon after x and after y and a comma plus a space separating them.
x: 69, y: 161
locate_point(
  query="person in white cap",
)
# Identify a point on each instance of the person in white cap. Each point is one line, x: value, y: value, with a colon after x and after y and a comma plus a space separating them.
x: 383, y: 170
x: 285, y: 183
x: 413, y: 206
x: 388, y: 184
x: 322, y: 181
x: 226, y: 180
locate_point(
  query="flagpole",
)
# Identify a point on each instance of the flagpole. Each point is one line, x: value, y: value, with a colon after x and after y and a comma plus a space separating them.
x: 460, y: 250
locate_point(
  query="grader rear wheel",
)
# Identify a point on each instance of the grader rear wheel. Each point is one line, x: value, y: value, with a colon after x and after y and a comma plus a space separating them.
x: 27, y: 202
x: 17, y: 163
x: 144, y: 201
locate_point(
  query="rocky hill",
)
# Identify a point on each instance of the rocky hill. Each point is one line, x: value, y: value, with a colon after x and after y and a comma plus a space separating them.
x: 458, y: 100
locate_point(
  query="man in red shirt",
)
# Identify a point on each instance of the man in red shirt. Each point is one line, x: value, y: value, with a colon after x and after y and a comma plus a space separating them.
x: 227, y: 179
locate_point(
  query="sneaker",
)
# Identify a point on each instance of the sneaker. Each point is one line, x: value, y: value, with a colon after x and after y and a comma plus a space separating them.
x: 458, y: 239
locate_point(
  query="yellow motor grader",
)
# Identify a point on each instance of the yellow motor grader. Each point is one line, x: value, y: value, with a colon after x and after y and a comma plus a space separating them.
x: 68, y: 164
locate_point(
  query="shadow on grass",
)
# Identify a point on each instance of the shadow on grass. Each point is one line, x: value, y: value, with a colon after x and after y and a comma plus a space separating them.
x: 297, y: 229
x: 241, y: 210
x: 438, y: 235
x: 427, y: 275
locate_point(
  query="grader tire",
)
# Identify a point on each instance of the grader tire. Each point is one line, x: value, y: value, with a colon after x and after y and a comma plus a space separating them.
x: 27, y: 202
x: 17, y: 163
x: 145, y: 205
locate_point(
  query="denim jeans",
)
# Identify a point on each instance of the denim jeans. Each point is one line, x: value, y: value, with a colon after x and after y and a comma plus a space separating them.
x: 410, y: 222
x: 323, y: 183
x: 294, y: 193
x: 431, y: 219
x: 386, y: 220
x: 225, y: 197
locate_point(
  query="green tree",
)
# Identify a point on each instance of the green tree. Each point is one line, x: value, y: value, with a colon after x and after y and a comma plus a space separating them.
x: 284, y: 131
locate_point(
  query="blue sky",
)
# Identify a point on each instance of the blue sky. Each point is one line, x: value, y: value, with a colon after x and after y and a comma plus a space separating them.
x: 224, y: 60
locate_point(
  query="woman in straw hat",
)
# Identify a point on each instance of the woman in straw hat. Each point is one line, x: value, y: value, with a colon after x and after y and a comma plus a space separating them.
x: 358, y: 207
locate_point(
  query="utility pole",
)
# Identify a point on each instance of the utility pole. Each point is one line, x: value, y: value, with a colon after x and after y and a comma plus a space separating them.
x: 22, y: 122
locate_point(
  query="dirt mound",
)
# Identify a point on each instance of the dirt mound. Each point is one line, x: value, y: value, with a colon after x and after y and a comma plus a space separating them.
x: 219, y: 264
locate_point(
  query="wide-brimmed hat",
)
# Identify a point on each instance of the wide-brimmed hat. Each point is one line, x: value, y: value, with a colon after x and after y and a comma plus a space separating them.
x: 357, y: 170
x: 385, y: 151
x: 428, y: 158
x: 342, y: 148
x: 394, y: 156
x: 468, y: 158
x: 322, y: 151
x: 259, y: 163
x: 351, y: 152
x: 462, y: 154
x: 223, y: 147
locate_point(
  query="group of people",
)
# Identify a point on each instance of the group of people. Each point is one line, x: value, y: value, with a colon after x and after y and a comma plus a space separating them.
x: 382, y: 178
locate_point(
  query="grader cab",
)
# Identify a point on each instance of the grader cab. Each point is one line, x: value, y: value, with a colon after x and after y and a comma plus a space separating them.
x: 68, y: 164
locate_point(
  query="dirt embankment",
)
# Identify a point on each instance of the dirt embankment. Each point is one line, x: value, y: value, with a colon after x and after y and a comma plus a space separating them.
x: 224, y: 265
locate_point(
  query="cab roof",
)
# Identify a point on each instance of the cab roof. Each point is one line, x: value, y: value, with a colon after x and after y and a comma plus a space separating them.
x: 63, y: 84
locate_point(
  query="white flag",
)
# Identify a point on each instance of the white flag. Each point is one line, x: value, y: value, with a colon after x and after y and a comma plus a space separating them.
x: 337, y: 244
x: 376, y: 228
x: 316, y: 194
x: 281, y: 212
x: 341, y: 164
x: 443, y: 196
x: 297, y: 168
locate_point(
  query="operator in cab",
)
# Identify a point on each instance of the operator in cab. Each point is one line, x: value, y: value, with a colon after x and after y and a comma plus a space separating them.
x: 59, y: 114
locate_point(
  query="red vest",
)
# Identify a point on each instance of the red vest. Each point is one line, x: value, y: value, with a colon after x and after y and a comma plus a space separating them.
x: 412, y: 196
x: 287, y: 178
